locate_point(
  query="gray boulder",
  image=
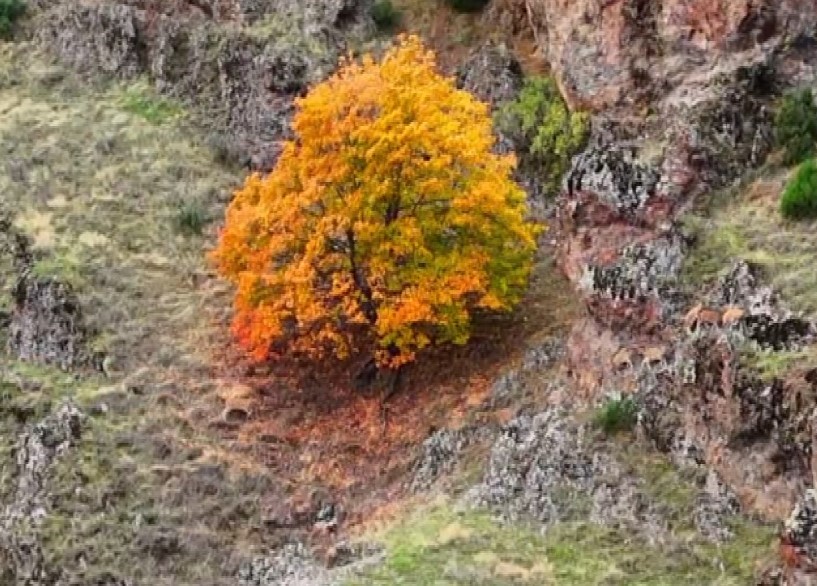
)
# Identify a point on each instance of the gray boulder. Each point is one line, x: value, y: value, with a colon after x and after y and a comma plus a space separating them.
x: 46, y: 324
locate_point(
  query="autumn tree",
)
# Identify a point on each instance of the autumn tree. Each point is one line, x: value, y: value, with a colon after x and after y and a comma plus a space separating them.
x: 387, y: 221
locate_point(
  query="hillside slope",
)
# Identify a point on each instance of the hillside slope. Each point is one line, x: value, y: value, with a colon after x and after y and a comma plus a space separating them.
x: 141, y: 447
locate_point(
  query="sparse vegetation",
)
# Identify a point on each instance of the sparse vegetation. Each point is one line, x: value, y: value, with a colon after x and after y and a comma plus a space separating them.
x: 541, y: 123
x: 617, y: 415
x: 799, y: 201
x: 135, y: 500
x: 747, y: 225
x: 10, y: 12
x: 385, y: 15
x: 226, y: 150
x: 770, y: 364
x: 796, y: 126
x: 467, y: 5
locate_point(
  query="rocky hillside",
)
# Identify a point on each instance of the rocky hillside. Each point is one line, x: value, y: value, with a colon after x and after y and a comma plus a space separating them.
x: 646, y: 417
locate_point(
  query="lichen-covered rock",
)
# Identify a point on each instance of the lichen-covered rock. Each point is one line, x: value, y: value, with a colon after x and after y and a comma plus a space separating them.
x: 492, y: 74
x: 291, y: 565
x: 511, y: 385
x: 547, y: 469
x: 625, y: 52
x: 642, y: 269
x: 103, y: 36
x: 294, y: 565
x: 35, y: 452
x: 438, y: 457
x: 46, y: 324
x: 244, y: 79
x: 732, y: 124
x: 740, y: 286
x: 615, y: 176
x: 714, y: 506
x: 800, y: 531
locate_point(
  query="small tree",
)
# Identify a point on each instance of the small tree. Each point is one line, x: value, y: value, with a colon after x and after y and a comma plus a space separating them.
x: 796, y: 126
x: 540, y: 122
x: 799, y: 200
x: 387, y: 219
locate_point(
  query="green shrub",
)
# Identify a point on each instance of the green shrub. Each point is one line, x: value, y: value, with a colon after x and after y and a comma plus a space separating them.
x: 799, y: 200
x: 10, y: 11
x: 191, y: 218
x: 796, y: 126
x: 616, y: 415
x: 385, y: 15
x: 544, y: 128
x: 467, y: 5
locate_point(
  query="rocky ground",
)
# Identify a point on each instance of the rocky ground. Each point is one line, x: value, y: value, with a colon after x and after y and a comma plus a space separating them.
x: 140, y: 448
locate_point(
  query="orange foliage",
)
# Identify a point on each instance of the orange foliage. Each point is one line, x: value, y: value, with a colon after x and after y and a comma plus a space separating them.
x: 388, y: 219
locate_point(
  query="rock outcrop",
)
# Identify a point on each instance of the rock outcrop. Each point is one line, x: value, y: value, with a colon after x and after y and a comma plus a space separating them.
x: 628, y: 52
x: 46, y: 324
x: 241, y: 62
x: 683, y: 93
x: 547, y: 469
x: 21, y: 556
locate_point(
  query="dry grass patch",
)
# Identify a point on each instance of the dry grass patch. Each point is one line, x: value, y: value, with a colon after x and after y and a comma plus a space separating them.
x: 746, y: 224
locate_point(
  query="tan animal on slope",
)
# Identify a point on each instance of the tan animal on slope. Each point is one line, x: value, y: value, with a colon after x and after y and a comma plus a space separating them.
x: 700, y: 315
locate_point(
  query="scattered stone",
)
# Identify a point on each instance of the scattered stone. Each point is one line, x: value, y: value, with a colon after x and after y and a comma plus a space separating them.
x: 510, y: 386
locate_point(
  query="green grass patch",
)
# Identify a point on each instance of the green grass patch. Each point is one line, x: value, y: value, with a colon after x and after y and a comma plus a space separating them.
x: 447, y: 548
x: 142, y: 102
x: 771, y: 364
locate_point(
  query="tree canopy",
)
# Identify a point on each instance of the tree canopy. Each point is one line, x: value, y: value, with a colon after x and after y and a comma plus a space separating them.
x: 386, y: 222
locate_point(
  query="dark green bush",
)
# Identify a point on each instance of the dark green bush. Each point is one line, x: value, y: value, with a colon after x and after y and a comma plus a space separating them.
x: 617, y: 415
x: 546, y: 132
x: 10, y: 11
x: 191, y: 218
x: 799, y: 200
x: 796, y: 126
x: 385, y: 15
x: 467, y: 5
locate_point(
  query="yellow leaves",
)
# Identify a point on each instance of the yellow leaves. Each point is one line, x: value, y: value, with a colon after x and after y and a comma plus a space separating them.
x: 389, y: 211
